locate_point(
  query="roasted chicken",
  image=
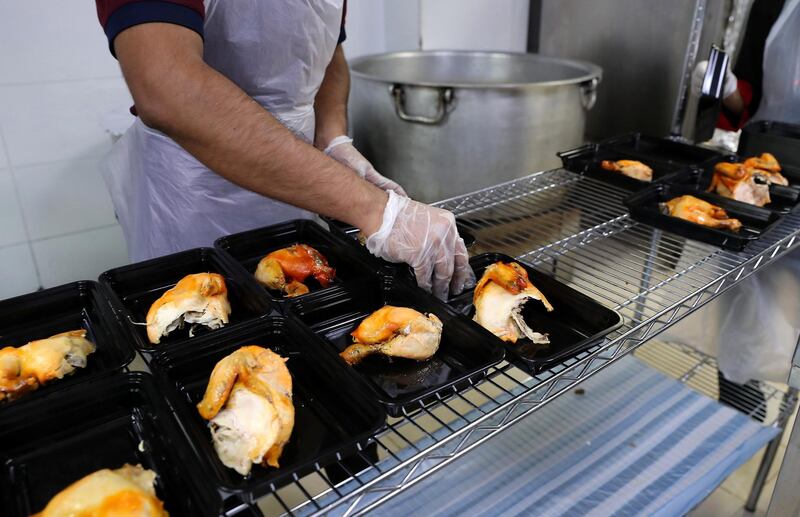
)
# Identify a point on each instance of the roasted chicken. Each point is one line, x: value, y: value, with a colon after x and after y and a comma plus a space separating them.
x: 199, y: 299
x: 631, y: 168
x: 696, y: 210
x: 499, y: 297
x: 286, y: 269
x: 767, y: 168
x: 248, y: 403
x: 395, y: 332
x: 26, y: 368
x: 125, y: 492
x: 737, y: 181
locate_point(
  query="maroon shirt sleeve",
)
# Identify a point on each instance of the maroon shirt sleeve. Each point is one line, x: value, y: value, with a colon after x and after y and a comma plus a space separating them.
x: 117, y: 15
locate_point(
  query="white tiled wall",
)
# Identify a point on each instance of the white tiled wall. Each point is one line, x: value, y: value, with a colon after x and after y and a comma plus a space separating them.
x: 57, y: 79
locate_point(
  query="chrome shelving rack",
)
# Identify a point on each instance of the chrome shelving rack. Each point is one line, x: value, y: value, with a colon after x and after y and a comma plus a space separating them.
x: 577, y: 229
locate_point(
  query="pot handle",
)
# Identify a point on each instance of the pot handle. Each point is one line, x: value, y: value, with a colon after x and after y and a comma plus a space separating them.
x: 589, y: 93
x: 399, y: 95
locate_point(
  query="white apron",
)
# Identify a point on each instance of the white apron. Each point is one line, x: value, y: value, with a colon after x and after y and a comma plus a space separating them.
x: 277, y: 52
x: 781, y: 89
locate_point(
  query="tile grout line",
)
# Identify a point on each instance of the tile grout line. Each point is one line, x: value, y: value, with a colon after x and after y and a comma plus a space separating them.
x: 75, y: 232
x: 19, y: 206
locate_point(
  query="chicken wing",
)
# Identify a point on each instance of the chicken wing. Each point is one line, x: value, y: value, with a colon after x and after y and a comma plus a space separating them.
x: 631, y: 168
x: 286, y: 269
x: 248, y: 403
x: 200, y: 299
x: 736, y: 181
x: 125, y: 492
x: 499, y: 297
x: 26, y: 368
x: 698, y: 211
x: 395, y: 332
x: 767, y: 168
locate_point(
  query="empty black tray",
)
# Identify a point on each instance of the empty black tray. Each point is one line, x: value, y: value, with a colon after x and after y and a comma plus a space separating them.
x: 134, y: 288
x: 465, y: 352
x: 333, y: 412
x: 778, y: 138
x: 75, y: 306
x: 756, y: 221
x: 587, y: 160
x: 248, y: 248
x: 784, y: 199
x: 58, y: 439
x: 576, y: 323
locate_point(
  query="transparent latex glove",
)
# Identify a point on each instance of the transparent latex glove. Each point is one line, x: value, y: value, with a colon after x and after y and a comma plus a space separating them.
x: 699, y: 73
x: 425, y: 238
x: 341, y: 149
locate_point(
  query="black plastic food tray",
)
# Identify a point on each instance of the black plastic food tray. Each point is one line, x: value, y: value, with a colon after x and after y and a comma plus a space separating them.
x: 402, y: 385
x: 134, y: 288
x: 58, y: 439
x: 661, y: 150
x: 75, y: 306
x: 587, y: 160
x: 778, y: 138
x: 576, y: 323
x: 248, y: 248
x: 756, y: 221
x: 333, y: 412
x: 784, y: 199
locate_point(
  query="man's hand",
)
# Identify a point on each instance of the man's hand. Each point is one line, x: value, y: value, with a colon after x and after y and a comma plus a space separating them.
x: 177, y: 93
x: 426, y: 238
x: 342, y: 150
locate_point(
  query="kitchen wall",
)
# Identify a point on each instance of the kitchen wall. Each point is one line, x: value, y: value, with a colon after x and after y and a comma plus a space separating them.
x: 57, y: 81
x: 60, y: 89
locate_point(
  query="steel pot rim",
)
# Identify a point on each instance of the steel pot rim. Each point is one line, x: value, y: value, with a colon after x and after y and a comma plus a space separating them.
x: 593, y: 72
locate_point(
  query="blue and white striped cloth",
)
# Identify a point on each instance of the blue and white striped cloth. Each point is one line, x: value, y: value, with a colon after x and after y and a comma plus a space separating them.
x: 635, y: 442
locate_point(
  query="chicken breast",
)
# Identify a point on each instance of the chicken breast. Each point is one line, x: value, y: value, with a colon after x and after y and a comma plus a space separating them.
x: 248, y: 402
x: 200, y: 299
x: 286, y: 269
x: 767, y: 168
x: 631, y: 168
x: 26, y: 368
x: 735, y: 181
x: 395, y: 332
x: 695, y: 210
x: 499, y: 297
x: 125, y: 492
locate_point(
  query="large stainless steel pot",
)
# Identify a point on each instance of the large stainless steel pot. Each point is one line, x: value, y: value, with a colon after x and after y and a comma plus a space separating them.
x: 443, y: 123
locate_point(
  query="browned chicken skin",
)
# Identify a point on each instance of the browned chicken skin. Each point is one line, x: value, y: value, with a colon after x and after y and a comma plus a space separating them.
x: 125, y: 492
x: 692, y: 209
x: 395, y: 332
x: 248, y: 403
x: 286, y: 269
x: 26, y: 368
x: 736, y: 181
x: 767, y: 167
x: 200, y: 299
x: 499, y: 297
x: 631, y: 168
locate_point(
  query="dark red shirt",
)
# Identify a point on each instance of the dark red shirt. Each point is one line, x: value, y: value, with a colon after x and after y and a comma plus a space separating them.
x: 117, y: 15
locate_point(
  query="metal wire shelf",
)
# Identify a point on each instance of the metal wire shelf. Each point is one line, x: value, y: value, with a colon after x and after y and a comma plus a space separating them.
x: 576, y: 229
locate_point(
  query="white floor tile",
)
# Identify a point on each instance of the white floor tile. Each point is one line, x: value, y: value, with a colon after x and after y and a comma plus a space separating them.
x: 63, y: 197
x: 58, y: 121
x: 719, y: 503
x: 12, y: 230
x: 17, y: 272
x: 52, y: 41
x: 79, y: 256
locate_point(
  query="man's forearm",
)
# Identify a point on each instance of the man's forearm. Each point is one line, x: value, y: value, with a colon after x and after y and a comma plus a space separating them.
x: 330, y: 104
x: 214, y: 120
